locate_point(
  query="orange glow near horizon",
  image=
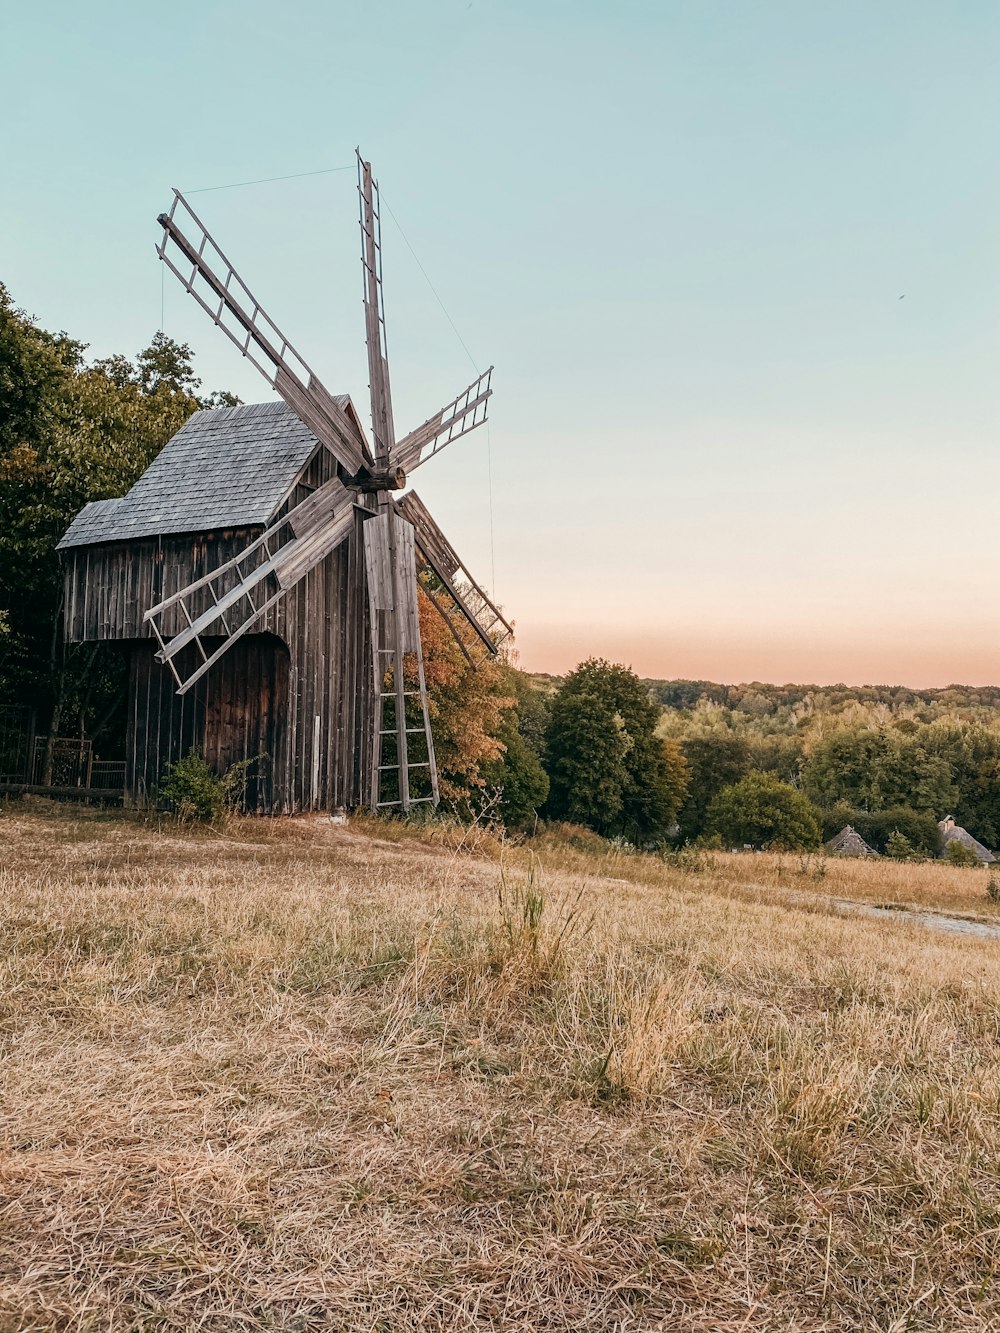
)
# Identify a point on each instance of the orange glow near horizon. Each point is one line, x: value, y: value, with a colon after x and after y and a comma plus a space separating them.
x: 924, y: 658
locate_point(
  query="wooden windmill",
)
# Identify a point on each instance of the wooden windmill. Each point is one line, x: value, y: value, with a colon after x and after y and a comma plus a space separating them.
x: 211, y: 613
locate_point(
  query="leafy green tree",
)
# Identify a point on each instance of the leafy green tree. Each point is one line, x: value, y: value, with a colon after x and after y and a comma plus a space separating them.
x: 761, y: 811
x: 607, y: 767
x: 877, y: 768
x: 587, y: 747
x: 777, y: 754
x: 69, y: 433
x: 899, y: 847
x: 532, y: 711
x: 715, y: 760
x: 677, y: 775
x: 518, y: 774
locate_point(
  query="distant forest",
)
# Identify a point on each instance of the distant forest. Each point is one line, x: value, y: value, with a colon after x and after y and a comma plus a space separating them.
x: 887, y: 759
x: 759, y: 699
x: 763, y: 700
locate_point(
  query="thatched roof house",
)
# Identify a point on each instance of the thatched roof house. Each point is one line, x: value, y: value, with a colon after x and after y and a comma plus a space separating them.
x: 952, y: 832
x: 849, y: 842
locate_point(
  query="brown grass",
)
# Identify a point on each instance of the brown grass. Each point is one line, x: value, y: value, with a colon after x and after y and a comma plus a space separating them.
x: 290, y: 1076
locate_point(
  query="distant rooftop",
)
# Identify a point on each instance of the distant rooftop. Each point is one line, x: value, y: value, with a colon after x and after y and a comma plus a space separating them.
x: 952, y: 832
x: 227, y: 467
x: 848, y: 842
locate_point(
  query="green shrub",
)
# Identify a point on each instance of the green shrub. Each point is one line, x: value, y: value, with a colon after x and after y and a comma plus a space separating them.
x: 957, y: 854
x: 193, y: 792
x: 899, y: 847
x: 760, y: 811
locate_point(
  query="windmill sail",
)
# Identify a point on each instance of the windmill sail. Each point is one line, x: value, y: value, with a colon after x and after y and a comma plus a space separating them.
x: 457, y: 418
x: 239, y: 593
x: 401, y: 718
x: 233, y: 307
x: 378, y: 361
x: 452, y: 589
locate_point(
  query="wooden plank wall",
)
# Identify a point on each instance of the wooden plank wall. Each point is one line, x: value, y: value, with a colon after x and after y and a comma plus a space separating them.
x: 237, y: 711
x: 259, y: 696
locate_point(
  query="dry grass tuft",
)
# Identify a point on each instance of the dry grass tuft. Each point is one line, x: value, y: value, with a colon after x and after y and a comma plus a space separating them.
x: 287, y: 1076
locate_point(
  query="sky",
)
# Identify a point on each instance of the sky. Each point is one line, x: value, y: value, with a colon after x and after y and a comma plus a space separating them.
x: 736, y: 266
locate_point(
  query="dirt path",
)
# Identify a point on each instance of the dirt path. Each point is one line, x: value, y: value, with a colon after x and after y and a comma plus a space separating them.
x: 957, y: 925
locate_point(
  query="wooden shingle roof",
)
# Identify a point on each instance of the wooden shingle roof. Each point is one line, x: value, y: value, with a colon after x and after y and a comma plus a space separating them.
x: 227, y: 467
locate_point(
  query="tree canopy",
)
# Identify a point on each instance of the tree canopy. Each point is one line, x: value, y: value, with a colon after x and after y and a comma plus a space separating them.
x: 70, y: 432
x: 761, y: 811
x: 608, y: 769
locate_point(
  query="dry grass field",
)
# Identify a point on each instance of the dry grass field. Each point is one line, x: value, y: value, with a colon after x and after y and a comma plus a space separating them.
x: 290, y: 1076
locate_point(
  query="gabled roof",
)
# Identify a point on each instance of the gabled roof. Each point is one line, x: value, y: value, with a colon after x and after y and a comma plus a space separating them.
x: 848, y: 842
x: 228, y: 467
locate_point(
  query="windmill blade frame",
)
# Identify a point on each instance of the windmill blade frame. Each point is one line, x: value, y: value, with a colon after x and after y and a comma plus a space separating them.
x: 463, y: 414
x: 268, y: 564
x: 458, y: 592
x: 258, y: 337
x: 374, y: 302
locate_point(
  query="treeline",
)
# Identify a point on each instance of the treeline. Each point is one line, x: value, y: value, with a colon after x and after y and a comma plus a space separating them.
x: 759, y: 699
x: 879, y: 765
x: 791, y: 765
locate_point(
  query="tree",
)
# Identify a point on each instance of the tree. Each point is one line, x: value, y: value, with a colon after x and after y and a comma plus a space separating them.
x: 761, y: 811
x: 608, y: 769
x: 468, y: 710
x: 69, y: 433
x: 877, y: 768
x: 587, y: 747
x: 780, y: 755
x: 517, y: 777
x: 677, y: 775
x: 899, y: 847
x: 715, y: 760
x: 532, y: 712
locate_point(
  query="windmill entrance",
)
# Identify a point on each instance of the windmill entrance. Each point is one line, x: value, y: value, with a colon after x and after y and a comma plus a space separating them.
x: 264, y: 570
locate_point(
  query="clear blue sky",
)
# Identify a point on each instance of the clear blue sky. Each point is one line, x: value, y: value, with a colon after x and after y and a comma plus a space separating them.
x: 722, y: 445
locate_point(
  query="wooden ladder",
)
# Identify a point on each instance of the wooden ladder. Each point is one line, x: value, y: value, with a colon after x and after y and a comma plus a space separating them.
x: 398, y: 761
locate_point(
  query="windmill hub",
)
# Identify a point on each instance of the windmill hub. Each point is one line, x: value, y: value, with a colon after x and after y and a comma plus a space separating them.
x: 370, y: 480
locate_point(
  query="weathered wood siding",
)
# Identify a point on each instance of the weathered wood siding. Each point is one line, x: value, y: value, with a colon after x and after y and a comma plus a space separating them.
x: 237, y: 711
x: 309, y: 715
